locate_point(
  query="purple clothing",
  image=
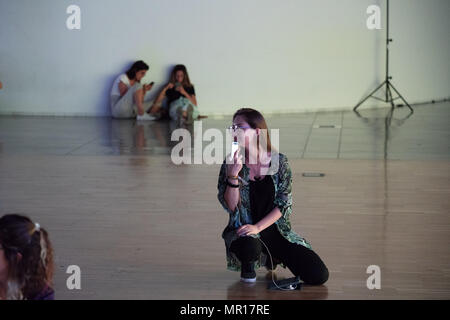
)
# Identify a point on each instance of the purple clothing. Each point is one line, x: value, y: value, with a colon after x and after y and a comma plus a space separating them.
x: 45, y: 294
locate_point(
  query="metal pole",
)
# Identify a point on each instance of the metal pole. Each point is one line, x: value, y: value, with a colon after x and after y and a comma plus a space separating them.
x: 388, y: 97
x: 387, y: 47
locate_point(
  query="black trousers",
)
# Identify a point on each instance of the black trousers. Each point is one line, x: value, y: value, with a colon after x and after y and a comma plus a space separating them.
x: 301, y: 261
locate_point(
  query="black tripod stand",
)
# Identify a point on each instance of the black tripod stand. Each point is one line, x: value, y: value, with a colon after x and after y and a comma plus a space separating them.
x: 388, y: 97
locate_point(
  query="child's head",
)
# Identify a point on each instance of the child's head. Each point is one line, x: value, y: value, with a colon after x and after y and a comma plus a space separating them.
x: 26, y: 256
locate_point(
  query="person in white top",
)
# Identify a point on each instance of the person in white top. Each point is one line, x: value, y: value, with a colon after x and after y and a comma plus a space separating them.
x: 127, y: 94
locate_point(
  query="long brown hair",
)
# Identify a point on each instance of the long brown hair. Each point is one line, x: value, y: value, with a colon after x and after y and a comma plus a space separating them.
x: 256, y: 120
x: 32, y: 270
x: 186, y: 80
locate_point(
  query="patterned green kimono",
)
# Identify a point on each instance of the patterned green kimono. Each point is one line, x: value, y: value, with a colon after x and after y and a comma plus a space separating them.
x: 282, y: 179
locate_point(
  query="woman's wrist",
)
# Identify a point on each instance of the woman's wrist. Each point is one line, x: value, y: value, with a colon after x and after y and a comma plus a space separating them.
x: 234, y: 183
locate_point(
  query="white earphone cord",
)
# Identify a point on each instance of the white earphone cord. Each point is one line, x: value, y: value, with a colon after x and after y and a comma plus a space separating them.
x: 292, y: 287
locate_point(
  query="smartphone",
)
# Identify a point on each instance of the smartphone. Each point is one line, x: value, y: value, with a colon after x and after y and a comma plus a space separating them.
x: 152, y: 83
x: 234, y: 148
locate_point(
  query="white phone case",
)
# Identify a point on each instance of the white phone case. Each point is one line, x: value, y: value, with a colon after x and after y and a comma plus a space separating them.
x: 234, y: 148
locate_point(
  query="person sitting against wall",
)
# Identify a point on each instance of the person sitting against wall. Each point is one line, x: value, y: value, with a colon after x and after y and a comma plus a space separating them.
x: 128, y: 94
x: 26, y: 260
x: 181, y: 99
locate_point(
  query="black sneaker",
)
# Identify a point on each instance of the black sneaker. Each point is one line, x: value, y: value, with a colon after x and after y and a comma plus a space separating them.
x: 248, y: 273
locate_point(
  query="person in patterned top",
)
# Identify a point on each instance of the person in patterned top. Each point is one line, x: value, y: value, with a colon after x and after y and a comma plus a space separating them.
x: 255, y: 189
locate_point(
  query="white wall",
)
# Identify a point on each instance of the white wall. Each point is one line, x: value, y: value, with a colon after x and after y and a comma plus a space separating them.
x: 274, y: 55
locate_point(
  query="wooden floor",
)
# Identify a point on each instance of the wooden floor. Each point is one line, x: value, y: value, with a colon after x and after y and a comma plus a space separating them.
x: 140, y: 227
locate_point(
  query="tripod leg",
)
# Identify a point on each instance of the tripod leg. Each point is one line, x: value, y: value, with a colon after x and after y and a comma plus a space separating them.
x: 401, y: 97
x: 389, y: 95
x: 354, y: 109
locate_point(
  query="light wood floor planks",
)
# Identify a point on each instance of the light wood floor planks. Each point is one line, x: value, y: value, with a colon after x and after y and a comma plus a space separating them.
x: 140, y: 227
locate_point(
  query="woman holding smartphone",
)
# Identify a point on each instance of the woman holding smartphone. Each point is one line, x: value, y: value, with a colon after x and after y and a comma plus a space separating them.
x: 258, y: 199
x: 180, y: 94
x: 128, y: 94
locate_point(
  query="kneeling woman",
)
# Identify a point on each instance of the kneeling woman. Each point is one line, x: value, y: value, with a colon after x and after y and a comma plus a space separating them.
x: 259, y: 202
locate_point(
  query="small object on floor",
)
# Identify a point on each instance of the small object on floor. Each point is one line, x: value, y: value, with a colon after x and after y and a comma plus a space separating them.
x: 146, y: 116
x: 286, y: 284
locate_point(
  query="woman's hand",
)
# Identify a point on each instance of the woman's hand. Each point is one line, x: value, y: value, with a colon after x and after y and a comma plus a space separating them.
x: 147, y: 87
x: 181, y: 90
x: 169, y: 86
x: 247, y: 230
x: 234, y: 165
